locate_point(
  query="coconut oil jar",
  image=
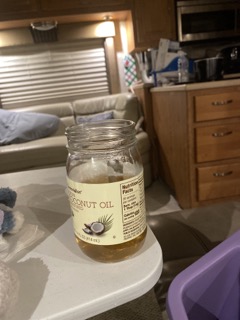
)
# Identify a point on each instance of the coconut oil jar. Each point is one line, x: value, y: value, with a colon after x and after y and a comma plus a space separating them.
x: 106, y: 189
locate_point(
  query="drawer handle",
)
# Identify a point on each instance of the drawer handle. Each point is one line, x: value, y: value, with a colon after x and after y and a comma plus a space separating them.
x: 222, y: 174
x: 221, y: 134
x: 221, y: 103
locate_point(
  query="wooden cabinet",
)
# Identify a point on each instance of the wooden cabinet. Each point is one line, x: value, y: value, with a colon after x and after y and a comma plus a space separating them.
x: 146, y: 21
x: 83, y: 6
x: 7, y: 6
x: 217, y: 142
x: 218, y: 181
x: 217, y: 106
x: 149, y: 20
x: 198, y: 133
x: 11, y: 10
x: 17, y: 9
x: 153, y: 20
x: 143, y: 93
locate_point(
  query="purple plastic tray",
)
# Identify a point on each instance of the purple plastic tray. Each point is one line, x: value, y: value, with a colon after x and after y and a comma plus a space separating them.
x: 209, y: 289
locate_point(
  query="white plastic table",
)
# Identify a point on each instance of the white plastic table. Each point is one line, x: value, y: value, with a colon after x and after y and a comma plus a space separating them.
x: 57, y: 280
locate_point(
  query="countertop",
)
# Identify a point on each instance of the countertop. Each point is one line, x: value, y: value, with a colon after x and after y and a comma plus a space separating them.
x: 198, y: 85
x: 191, y: 86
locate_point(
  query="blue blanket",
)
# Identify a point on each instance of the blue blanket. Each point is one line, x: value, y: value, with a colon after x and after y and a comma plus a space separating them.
x: 18, y: 127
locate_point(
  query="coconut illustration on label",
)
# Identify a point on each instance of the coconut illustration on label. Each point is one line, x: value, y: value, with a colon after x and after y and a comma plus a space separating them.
x: 102, y: 225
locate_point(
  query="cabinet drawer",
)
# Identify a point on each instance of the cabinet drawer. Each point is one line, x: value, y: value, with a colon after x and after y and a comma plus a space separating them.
x: 218, y: 181
x: 217, y: 106
x: 217, y: 142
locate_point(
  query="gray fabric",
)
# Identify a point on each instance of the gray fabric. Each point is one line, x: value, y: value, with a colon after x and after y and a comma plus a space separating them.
x: 124, y: 106
x: 95, y: 117
x: 145, y: 307
x: 17, y: 127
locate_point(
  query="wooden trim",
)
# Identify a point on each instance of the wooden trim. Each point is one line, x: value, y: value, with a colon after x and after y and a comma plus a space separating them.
x: 112, y: 67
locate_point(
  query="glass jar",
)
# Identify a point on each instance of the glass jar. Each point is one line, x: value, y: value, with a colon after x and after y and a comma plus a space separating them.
x: 106, y: 189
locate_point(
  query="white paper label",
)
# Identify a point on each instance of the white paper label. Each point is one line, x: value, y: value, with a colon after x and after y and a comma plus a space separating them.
x: 108, y: 213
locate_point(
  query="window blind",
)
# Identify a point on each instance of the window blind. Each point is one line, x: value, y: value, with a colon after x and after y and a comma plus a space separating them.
x: 52, y: 72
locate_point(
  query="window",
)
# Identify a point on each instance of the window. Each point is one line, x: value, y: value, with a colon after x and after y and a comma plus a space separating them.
x: 52, y: 72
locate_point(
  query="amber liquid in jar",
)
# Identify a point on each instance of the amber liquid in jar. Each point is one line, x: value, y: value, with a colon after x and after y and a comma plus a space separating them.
x: 111, y: 253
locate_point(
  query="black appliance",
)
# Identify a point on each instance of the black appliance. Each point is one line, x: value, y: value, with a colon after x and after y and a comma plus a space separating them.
x: 207, y: 19
x: 209, y: 69
x: 231, y: 61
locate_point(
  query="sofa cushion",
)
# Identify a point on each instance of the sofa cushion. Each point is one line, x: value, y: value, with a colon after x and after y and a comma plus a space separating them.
x: 17, y: 127
x: 95, y: 117
x: 123, y: 105
x: 33, y: 154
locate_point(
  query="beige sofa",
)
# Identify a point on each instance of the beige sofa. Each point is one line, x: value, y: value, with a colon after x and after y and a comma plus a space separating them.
x: 51, y: 151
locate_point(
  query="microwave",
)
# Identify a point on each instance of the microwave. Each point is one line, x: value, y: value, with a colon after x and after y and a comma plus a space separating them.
x: 207, y: 19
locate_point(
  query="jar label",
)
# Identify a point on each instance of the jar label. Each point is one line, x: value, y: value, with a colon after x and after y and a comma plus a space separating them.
x: 108, y: 213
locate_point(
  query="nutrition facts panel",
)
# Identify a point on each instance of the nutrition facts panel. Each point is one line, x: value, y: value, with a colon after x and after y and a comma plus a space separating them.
x: 133, y: 208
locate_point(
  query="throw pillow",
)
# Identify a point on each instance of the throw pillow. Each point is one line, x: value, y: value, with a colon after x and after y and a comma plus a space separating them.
x: 95, y: 117
x: 18, y: 127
